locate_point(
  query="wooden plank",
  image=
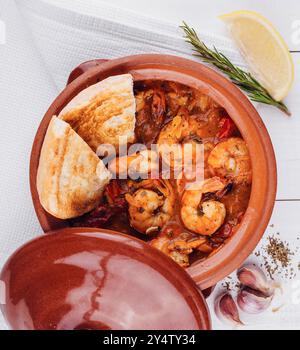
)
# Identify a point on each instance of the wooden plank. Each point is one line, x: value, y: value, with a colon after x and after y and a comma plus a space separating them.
x: 285, y: 135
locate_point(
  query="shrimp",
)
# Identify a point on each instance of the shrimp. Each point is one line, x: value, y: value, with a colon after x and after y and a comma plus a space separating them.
x: 230, y: 159
x: 186, y: 244
x: 179, y: 248
x: 136, y: 165
x: 201, y: 217
x: 187, y: 180
x: 151, y: 205
x: 162, y: 243
x: 180, y: 146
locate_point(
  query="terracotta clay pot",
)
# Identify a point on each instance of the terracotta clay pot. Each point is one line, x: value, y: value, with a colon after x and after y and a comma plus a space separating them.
x: 84, y: 278
x: 162, y: 67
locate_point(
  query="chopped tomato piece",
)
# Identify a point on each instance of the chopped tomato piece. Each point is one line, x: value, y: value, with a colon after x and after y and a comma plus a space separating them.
x: 112, y: 191
x: 227, y: 128
x: 103, y: 214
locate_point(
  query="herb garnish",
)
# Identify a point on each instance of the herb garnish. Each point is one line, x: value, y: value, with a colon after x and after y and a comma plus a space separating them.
x: 238, y: 76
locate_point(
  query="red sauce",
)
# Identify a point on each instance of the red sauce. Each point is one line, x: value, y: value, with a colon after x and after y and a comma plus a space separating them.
x: 158, y: 102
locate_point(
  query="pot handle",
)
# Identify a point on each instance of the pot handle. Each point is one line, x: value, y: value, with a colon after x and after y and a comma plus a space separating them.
x: 84, y: 67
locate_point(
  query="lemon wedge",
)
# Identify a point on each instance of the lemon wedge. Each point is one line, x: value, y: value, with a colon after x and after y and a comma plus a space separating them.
x: 264, y: 50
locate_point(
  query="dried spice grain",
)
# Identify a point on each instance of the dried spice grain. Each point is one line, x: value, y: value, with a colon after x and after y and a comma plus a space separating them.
x: 279, y: 251
x: 277, y: 257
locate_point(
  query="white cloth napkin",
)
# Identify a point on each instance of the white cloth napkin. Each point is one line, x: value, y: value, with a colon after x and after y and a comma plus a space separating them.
x: 66, y: 38
x: 44, y: 43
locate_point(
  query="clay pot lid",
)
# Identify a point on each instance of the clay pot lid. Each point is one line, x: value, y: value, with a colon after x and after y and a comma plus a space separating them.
x: 81, y: 278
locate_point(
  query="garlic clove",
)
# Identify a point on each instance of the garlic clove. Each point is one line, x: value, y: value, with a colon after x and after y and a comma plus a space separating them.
x: 226, y: 309
x: 253, y: 277
x: 253, y: 301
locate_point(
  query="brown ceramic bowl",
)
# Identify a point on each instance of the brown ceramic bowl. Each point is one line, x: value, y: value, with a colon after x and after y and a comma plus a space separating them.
x: 143, y: 67
x: 82, y: 278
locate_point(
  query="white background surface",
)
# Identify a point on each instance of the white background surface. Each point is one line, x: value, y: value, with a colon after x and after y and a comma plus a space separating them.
x: 285, y: 132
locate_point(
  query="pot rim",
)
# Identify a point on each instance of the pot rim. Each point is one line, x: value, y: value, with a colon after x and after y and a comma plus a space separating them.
x: 213, y: 269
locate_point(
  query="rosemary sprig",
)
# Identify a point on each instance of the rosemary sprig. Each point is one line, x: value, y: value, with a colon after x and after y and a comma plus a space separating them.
x: 238, y: 76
